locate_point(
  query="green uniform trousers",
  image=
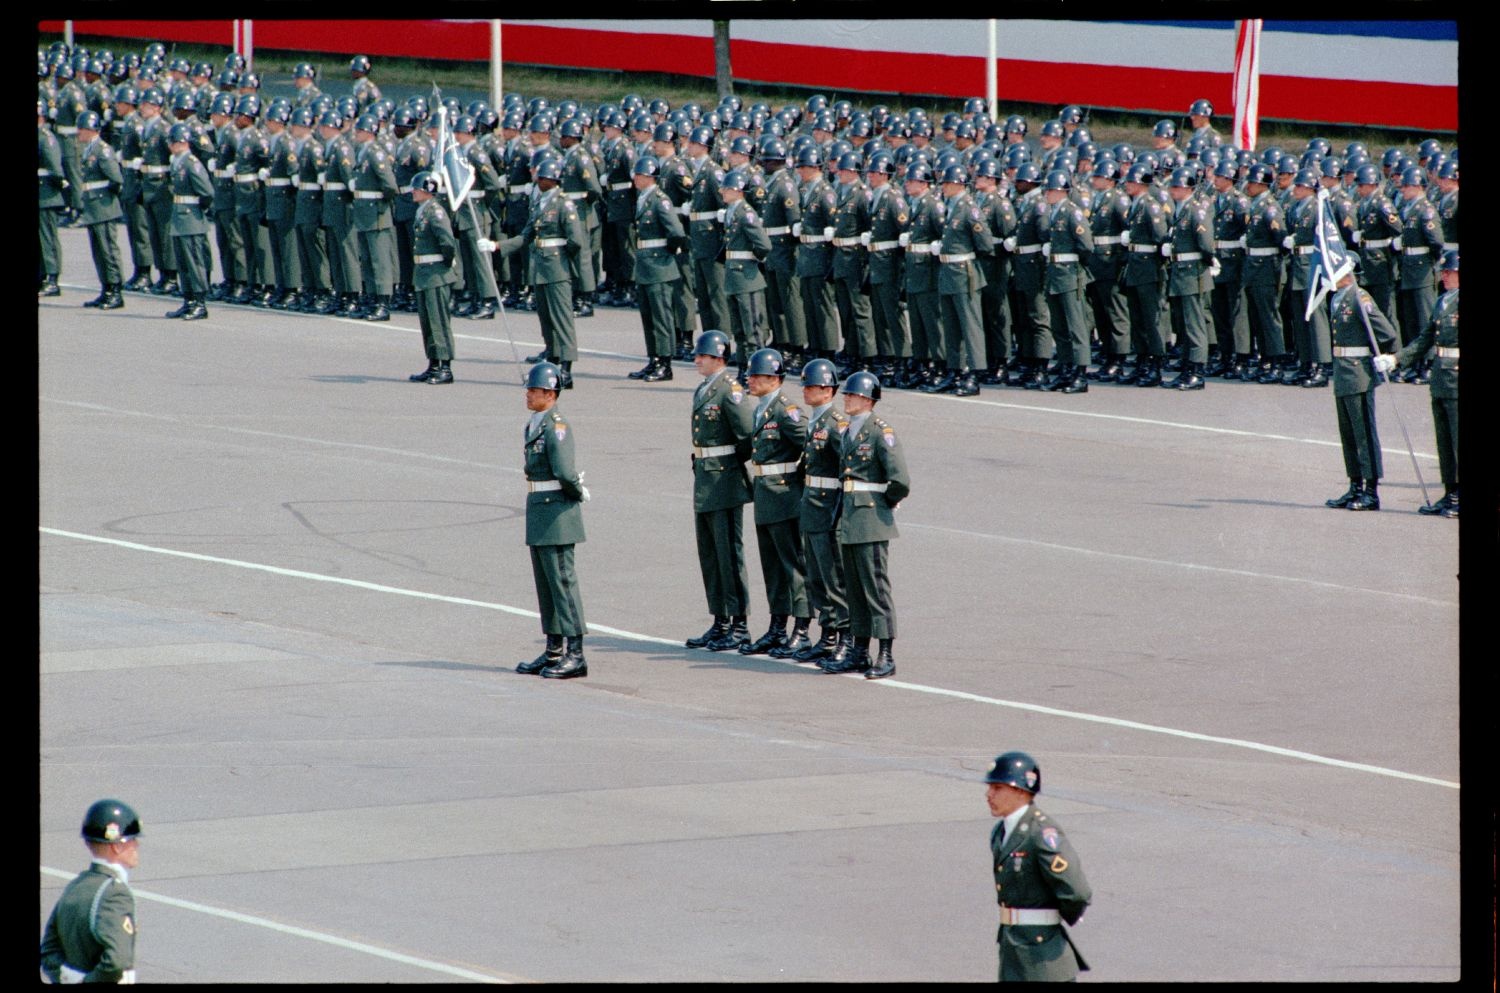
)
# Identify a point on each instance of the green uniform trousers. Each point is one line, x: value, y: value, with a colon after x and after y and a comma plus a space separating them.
x: 963, y: 330
x: 312, y: 256
x: 159, y: 225
x: 1357, y: 435
x: 1414, y: 307
x: 257, y: 238
x: 994, y: 311
x: 1313, y: 338
x: 138, y: 234
x: 50, y: 262
x: 377, y: 261
x: 782, y: 567
x: 1190, y: 327
x: 683, y: 301
x: 872, y: 610
x: 926, y: 325
x: 343, y: 257
x: 554, y: 307
x: 557, y: 594
x: 820, y: 313
x: 1033, y: 322
x: 825, y: 579
x: 1265, y: 321
x: 855, y: 319
x: 194, y: 262
x: 1144, y: 302
x: 285, y: 259
x: 784, y: 298
x: 1445, y: 426
x: 231, y: 244
x: 1111, y: 316
x: 708, y: 287
x: 437, y: 323
x: 721, y: 557
x: 106, y: 251
x: 1231, y: 324
x: 1070, y: 330
x: 747, y: 321
x: 657, y: 323
x: 891, y: 336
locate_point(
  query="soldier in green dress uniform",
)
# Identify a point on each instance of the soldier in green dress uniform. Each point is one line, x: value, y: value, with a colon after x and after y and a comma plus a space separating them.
x: 851, y: 221
x: 1039, y: 880
x: 1421, y: 241
x: 555, y: 495
x: 745, y: 245
x: 1068, y: 246
x: 307, y: 213
x: 99, y: 207
x: 1442, y: 332
x: 1265, y: 226
x: 373, y: 190
x: 888, y: 215
x: 1231, y: 323
x: 1028, y: 301
x: 1353, y: 320
x: 659, y: 236
x: 1193, y: 266
x: 783, y: 208
x: 721, y: 426
x: 924, y: 228
x: 191, y: 190
x: 90, y: 934
x: 156, y: 189
x: 819, y: 511
x: 281, y: 207
x: 434, y: 252
x: 874, y: 482
x: 814, y: 234
x: 50, y: 202
x: 1109, y: 219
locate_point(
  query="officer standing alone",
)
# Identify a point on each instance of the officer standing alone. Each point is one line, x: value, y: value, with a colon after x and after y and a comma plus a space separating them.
x: 90, y: 935
x: 434, y: 250
x: 1039, y: 880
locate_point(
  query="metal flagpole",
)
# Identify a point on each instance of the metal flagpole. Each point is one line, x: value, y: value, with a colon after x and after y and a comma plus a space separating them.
x: 1385, y: 378
x: 992, y: 72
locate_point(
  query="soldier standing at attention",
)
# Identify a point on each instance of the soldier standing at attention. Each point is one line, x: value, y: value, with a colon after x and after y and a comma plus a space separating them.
x: 745, y: 244
x: 924, y: 228
x: 50, y: 201
x: 1192, y: 271
x: 373, y: 187
x: 1039, y: 880
x: 776, y: 440
x: 555, y: 495
x: 875, y: 481
x: 1420, y: 241
x: 887, y: 222
x: 101, y: 179
x: 659, y: 233
x: 1028, y: 302
x: 783, y: 208
x: 814, y: 234
x: 364, y: 89
x: 1231, y: 324
x: 156, y: 189
x: 819, y: 512
x: 90, y: 935
x: 434, y: 250
x: 965, y: 236
x: 191, y: 189
x: 851, y: 221
x: 1265, y: 226
x: 1442, y: 330
x: 1109, y: 219
x: 1068, y: 246
x: 1378, y: 225
x: 721, y: 426
x: 1354, y: 383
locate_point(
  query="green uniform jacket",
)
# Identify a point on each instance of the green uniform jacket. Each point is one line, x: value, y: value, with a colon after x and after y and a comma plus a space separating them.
x: 778, y: 440
x: 1028, y: 268
x: 49, y: 169
x: 1068, y: 234
x: 190, y: 181
x: 128, y: 144
x: 1379, y: 222
x: 1442, y: 330
x: 1192, y: 234
x: 338, y: 173
x: 1302, y: 225
x: 553, y: 517
x: 966, y: 233
x: 1448, y: 214
x: 822, y: 459
x: 156, y: 160
x: 487, y: 184
x: 221, y: 168
x: 1231, y: 214
x: 722, y: 415
x: 310, y: 166
x: 99, y: 171
x: 851, y: 217
x: 1422, y: 230
x: 1346, y: 330
x: 872, y: 456
x: 1264, y: 230
x: 1109, y: 219
x: 252, y: 153
x: 814, y: 258
x: 888, y: 216
x: 655, y: 220
x: 281, y: 198
x: 743, y: 233
x: 1037, y: 869
x: 782, y: 208
x: 924, y: 227
x: 1150, y: 227
x: 413, y: 155
x: 373, y: 174
x: 434, y: 247
x: 705, y: 234
x: 619, y: 191
x: 557, y: 239
x: 92, y: 928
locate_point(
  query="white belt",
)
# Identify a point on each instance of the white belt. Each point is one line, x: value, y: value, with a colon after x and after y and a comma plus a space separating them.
x: 1144, y: 249
x: 1417, y: 251
x: 1376, y: 243
x: 813, y: 239
x: 97, y: 184
x: 966, y: 256
x: 403, y: 189
x: 1023, y: 915
x: 1107, y: 239
x: 322, y: 177
x: 335, y: 186
x: 821, y: 482
x: 1258, y: 252
x: 185, y: 199
x: 279, y: 182
x: 65, y: 129
x: 651, y: 243
x: 1234, y: 243
x: 701, y: 215
x: 772, y: 468
x: 1447, y: 353
x: 884, y: 246
x: 43, y: 173
x: 846, y: 242
x: 714, y: 452
x: 1187, y: 256
x: 369, y: 194
x: 1450, y: 246
x: 740, y: 256
x: 1064, y: 257
x: 1027, y: 249
x: 475, y: 193
x: 520, y: 189
x: 551, y: 242
x: 576, y: 196
x: 504, y: 185
x: 542, y: 485
x: 424, y: 259
x: 134, y: 163
x: 1350, y: 353
x: 224, y: 173
x: 155, y: 170
x: 781, y: 230
x: 1305, y: 249
x: 620, y: 186
x: 247, y: 177
x: 860, y: 486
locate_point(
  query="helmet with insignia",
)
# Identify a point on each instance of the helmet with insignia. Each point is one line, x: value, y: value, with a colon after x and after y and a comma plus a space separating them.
x: 181, y: 65
x: 881, y: 163
x: 180, y: 133
x: 359, y: 64
x: 742, y: 121
x: 1194, y: 148
x: 1015, y: 769
x: 279, y: 112
x: 235, y: 61
x: 1450, y: 260
x: 250, y: 80
x: 550, y: 168
x: 1260, y: 173
x: 571, y: 128
x: 153, y: 96
x: 544, y: 376
x: 809, y: 157
x: 1140, y: 172
x: 861, y: 127
x: 712, y: 120
x: 1079, y: 136
x: 1307, y: 177
x: 863, y: 384
x: 735, y: 179
x: 1331, y: 167
x: 1017, y: 155
x: 664, y: 132
x: 921, y: 128
x: 1071, y: 114
x: 897, y: 128
x: 631, y: 102
x: 1015, y: 124
x: 963, y: 129
x: 125, y: 93
x: 567, y: 108
x: 1448, y: 170
x: 1167, y: 160
x: 1165, y: 128
x: 184, y: 99
x: 1428, y: 148
x: 918, y: 171
x: 1201, y: 108
x: 988, y: 168
x: 1107, y: 169
x: 1367, y: 175
x: 712, y: 343
x: 955, y: 174
x: 95, y: 66
x: 540, y: 124
x: 1028, y: 172
x: 427, y: 181
x: 1391, y: 156
x: 850, y: 162
x: 331, y: 119
x: 1228, y: 169
x: 1413, y: 176
x: 368, y: 121
x: 1403, y: 165
x: 820, y: 372
x: 88, y: 120
x: 701, y: 136
x: 743, y: 145
x: 223, y: 105
x: 1356, y: 148
x: 1288, y: 164
x: 403, y: 120
x: 248, y: 105
x: 658, y: 106
x: 1057, y: 179
x: 303, y: 70
x: 302, y: 117
x: 773, y: 150
x: 767, y: 362
x: 1052, y: 129
x: 109, y: 821
x: 816, y: 102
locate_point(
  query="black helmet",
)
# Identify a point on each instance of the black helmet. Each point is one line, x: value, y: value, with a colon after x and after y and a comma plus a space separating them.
x: 955, y: 174
x: 918, y: 171
x: 1015, y: 124
x: 772, y: 150
x: 464, y: 124
x: 1165, y: 128
x: 820, y: 372
x: 701, y: 136
x: 1450, y: 260
x: 881, y: 163
x: 248, y: 106
x: 1331, y: 167
x: 360, y: 64
x: 1367, y: 175
x: 850, y: 162
x: 1413, y: 176
x: 109, y: 821
x: 1183, y: 178
x: 1016, y: 769
x: 646, y: 165
x: 544, y: 376
x: 427, y: 181
x: 331, y: 119
x: 1202, y: 108
x: 1057, y: 179
x: 712, y: 343
x: 1448, y: 170
x: 766, y: 362
x: 180, y: 132
x: 863, y: 384
x: 1140, y: 172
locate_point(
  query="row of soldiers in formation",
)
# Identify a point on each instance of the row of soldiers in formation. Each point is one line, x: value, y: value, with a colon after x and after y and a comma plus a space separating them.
x: 1052, y: 248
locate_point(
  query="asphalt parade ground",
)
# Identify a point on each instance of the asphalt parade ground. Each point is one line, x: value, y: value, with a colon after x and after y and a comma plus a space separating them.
x: 282, y: 590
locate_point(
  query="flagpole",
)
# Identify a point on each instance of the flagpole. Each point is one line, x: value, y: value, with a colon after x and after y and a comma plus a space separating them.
x: 1385, y: 378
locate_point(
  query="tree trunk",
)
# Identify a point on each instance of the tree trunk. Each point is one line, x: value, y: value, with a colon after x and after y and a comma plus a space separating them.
x: 722, y: 75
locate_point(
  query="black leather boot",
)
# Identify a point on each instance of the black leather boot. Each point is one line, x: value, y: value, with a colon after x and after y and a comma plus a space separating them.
x: 1152, y: 374
x: 572, y: 665
x: 1366, y: 498
x: 550, y: 657
x: 422, y: 377
x: 855, y: 657
x: 816, y: 653
x: 181, y: 311
x: 1191, y: 377
x: 442, y: 375
x: 49, y: 288
x: 1063, y: 377
x: 775, y: 637
x: 838, y: 651
x: 112, y: 299
x: 644, y: 371
x: 885, y: 663
x: 1347, y: 497
x: 1079, y: 383
x: 717, y: 630
x: 1317, y: 375
x: 661, y: 374
x: 1439, y: 505
x: 567, y: 375
x: 967, y: 385
x: 196, y: 311
x: 483, y: 311
x: 796, y: 642
x: 380, y: 311
x: 737, y: 635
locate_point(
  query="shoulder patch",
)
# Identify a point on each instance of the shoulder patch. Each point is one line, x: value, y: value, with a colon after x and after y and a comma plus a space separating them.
x: 888, y: 435
x: 1049, y: 837
x: 560, y: 429
x: 793, y: 413
x: 736, y: 392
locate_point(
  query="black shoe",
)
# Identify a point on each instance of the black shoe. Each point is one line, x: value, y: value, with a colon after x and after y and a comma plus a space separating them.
x: 196, y: 311
x: 717, y: 630
x: 1062, y: 377
x: 263, y: 297
x: 644, y: 371
x: 946, y: 383
x: 379, y: 312
x: 1078, y: 384
x: 551, y: 656
x: 425, y: 374
x: 582, y: 308
x: 661, y: 374
x: 838, y: 656
x: 1452, y: 509
x: 1366, y: 498
x: 736, y: 635
x: 1317, y: 375
x: 181, y: 311
x: 825, y: 646
x: 1347, y: 497
x: 441, y: 376
x: 166, y: 287
x: 112, y: 299
x: 462, y: 307
x: 967, y: 385
x: 566, y: 381
x: 572, y: 665
x: 98, y: 299
x: 885, y: 662
x: 484, y: 312
x: 796, y: 642
x: 538, y: 357
x: 775, y: 637
x: 856, y: 659
x: 1295, y: 375
x: 1151, y: 376
x: 138, y: 283
x: 1191, y: 377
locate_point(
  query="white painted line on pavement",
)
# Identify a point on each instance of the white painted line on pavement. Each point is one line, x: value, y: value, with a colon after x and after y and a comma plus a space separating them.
x: 327, y: 939
x: 975, y: 698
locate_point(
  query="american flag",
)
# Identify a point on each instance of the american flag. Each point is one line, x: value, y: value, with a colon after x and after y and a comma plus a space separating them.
x: 1330, y: 261
x: 1246, y: 84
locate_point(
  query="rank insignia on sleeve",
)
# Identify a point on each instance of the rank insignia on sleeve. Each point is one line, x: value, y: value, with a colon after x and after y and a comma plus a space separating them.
x: 1059, y: 864
x: 128, y: 925
x: 791, y: 201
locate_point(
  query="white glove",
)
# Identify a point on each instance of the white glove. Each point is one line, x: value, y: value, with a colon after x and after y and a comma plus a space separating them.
x: 1125, y: 238
x: 1289, y: 243
x: 264, y: 174
x: 796, y: 229
x: 1046, y: 249
x: 583, y: 494
x: 1214, y: 268
x: 828, y: 232
x: 1385, y: 363
x: 903, y: 239
x: 213, y: 165
x: 485, y: 245
x: 69, y: 976
x: 1009, y: 244
x: 1356, y: 237
x: 1396, y: 243
x: 1166, y: 249
x: 721, y: 214
x: 935, y: 248
x: 864, y: 238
